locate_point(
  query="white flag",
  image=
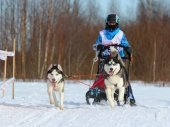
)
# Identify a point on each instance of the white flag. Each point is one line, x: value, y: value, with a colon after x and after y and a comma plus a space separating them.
x: 10, y: 53
x: 6, y: 53
x: 3, y: 57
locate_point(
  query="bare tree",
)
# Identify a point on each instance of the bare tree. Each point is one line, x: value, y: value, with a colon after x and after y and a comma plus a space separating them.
x: 23, y: 36
x: 47, y: 39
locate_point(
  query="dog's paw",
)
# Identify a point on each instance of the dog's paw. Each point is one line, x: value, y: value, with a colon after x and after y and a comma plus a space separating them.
x: 51, y: 102
x: 56, y: 104
x: 61, y: 108
x: 120, y: 103
x: 112, y: 106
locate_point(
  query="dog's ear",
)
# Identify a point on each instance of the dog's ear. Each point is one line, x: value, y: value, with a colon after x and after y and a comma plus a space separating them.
x: 116, y: 56
x: 50, y: 67
x: 59, y: 67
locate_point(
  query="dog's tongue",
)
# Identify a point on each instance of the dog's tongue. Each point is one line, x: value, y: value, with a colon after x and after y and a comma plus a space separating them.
x: 110, y: 73
x: 53, y: 81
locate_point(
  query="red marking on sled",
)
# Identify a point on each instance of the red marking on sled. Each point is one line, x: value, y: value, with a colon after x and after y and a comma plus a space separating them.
x: 99, y: 82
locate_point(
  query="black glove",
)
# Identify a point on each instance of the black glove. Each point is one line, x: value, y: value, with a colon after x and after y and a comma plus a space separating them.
x: 128, y: 52
x: 100, y: 47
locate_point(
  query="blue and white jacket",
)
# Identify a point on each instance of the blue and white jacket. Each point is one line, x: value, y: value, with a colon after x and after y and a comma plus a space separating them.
x: 117, y: 36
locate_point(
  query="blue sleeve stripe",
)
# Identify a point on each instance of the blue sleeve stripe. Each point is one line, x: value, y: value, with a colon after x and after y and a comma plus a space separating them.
x: 99, y: 39
x: 124, y: 41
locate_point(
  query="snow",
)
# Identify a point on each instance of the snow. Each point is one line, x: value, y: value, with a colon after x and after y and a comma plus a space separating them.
x: 31, y: 108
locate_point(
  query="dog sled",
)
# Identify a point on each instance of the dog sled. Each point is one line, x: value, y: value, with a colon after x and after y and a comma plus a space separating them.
x: 97, y: 91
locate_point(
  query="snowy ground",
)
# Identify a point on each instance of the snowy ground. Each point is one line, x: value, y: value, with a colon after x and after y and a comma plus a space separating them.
x: 30, y: 108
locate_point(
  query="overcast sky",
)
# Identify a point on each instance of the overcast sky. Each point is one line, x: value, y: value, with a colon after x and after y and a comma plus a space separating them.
x: 123, y: 5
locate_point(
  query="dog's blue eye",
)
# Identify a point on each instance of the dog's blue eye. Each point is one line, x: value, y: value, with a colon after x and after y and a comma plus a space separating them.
x: 109, y: 63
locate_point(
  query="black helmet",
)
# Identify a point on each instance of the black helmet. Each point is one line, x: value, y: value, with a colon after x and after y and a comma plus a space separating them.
x: 112, y: 22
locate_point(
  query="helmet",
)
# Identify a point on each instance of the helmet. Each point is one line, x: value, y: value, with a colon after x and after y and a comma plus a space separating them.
x: 112, y: 22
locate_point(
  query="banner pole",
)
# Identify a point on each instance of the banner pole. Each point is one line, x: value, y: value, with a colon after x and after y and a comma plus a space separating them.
x: 13, y: 85
x: 4, y: 78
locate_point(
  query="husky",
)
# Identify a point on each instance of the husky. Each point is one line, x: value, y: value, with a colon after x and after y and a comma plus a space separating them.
x: 115, y: 77
x: 55, y: 84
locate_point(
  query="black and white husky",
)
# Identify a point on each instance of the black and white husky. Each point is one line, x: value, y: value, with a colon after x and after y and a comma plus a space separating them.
x: 55, y: 84
x: 115, y: 78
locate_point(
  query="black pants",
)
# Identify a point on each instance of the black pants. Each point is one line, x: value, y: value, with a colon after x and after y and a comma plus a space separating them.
x: 129, y: 91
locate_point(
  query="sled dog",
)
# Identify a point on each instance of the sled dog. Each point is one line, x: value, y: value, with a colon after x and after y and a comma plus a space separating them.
x: 115, y: 77
x: 55, y: 84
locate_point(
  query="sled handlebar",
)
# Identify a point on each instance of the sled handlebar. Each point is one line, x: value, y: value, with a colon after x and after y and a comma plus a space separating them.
x: 95, y: 46
x: 99, y: 47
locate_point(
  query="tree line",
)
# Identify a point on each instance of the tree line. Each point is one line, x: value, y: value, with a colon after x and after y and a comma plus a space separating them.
x: 63, y: 31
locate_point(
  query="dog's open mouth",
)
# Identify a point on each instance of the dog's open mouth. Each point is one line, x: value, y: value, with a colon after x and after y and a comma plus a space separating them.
x: 53, y: 81
x: 111, y: 72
